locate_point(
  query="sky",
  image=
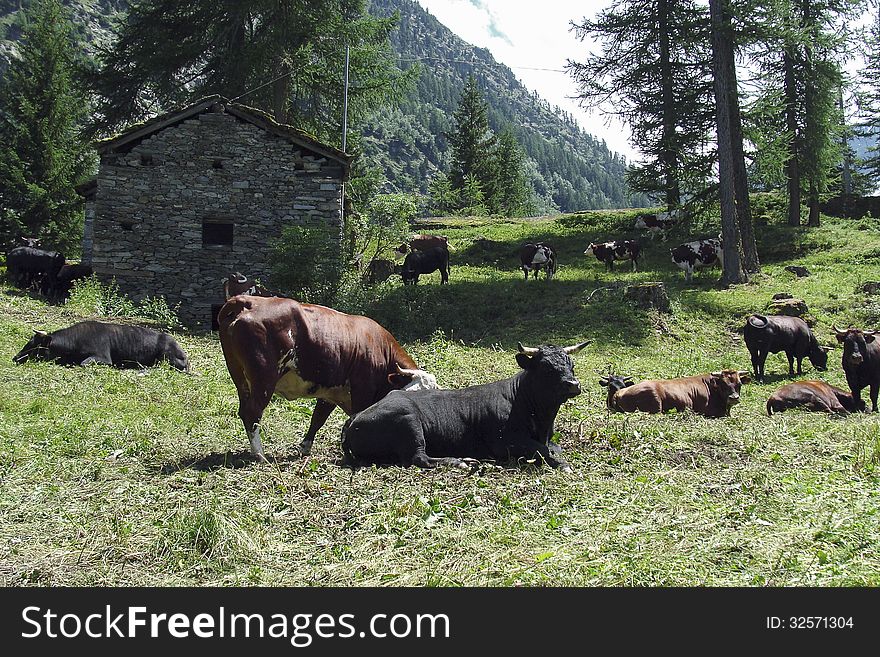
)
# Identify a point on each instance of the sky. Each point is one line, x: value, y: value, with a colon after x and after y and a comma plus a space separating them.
x: 528, y: 35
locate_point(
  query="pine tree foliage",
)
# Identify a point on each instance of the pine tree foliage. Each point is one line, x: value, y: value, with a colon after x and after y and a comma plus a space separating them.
x: 42, y: 154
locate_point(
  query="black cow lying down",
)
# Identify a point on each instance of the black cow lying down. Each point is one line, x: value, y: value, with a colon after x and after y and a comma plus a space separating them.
x: 119, y: 345
x: 509, y: 419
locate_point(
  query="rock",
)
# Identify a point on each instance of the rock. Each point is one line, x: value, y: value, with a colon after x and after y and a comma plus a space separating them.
x: 649, y: 295
x: 797, y: 270
x: 782, y: 295
x: 870, y: 287
x: 788, y: 306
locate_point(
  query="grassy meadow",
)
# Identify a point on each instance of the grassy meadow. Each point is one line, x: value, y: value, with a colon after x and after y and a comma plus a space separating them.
x: 112, y: 477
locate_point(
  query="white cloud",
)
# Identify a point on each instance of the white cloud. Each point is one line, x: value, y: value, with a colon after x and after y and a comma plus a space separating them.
x: 527, y: 36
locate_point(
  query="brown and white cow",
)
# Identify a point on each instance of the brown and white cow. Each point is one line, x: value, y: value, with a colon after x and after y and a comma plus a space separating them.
x: 608, y: 252
x: 712, y: 395
x: 274, y: 345
x: 813, y: 396
x: 535, y: 257
x: 699, y: 253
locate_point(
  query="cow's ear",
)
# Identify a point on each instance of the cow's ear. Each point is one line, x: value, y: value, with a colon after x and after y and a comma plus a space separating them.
x: 713, y: 381
x: 869, y: 337
x: 525, y: 361
x: 603, y: 382
x: 399, y: 379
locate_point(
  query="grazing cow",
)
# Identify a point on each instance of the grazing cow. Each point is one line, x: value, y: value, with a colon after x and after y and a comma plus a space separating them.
x: 770, y: 334
x: 656, y: 223
x: 813, y: 396
x: 699, y: 253
x: 26, y: 265
x: 381, y: 270
x: 535, y: 257
x: 614, y: 382
x: 861, y: 362
x: 711, y: 395
x: 507, y: 419
x: 277, y: 345
x: 423, y: 243
x: 608, y: 252
x: 90, y: 342
x: 58, y: 287
x: 425, y: 262
x: 237, y: 283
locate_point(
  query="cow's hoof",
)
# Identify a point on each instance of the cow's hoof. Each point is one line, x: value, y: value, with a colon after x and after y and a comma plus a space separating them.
x: 565, y: 467
x: 302, y: 450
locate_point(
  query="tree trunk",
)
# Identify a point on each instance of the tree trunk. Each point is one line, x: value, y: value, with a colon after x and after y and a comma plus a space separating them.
x: 792, y: 170
x: 669, y: 139
x: 741, y: 179
x: 813, y: 202
x: 725, y: 94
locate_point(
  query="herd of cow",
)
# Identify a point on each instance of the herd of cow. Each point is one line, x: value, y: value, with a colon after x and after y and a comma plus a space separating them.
x: 397, y: 412
x: 30, y: 267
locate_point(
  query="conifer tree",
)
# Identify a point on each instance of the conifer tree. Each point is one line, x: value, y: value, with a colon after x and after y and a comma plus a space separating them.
x: 42, y: 154
x: 472, y: 144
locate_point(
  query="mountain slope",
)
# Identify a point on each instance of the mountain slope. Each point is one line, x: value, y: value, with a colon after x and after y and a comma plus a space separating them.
x: 568, y: 169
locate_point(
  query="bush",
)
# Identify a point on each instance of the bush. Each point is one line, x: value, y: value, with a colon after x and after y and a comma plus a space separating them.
x: 305, y: 263
x: 92, y: 297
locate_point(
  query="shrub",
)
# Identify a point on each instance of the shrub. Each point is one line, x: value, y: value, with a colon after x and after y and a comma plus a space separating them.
x: 92, y: 297
x: 305, y: 262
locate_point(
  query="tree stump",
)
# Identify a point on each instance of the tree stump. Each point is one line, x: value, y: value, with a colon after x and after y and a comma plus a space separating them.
x: 649, y: 295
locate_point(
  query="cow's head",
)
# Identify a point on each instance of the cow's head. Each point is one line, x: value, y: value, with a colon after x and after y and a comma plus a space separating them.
x: 855, y: 345
x: 32, y: 242
x: 727, y: 384
x: 614, y: 382
x: 552, y: 369
x: 819, y: 357
x: 410, y: 380
x: 37, y: 348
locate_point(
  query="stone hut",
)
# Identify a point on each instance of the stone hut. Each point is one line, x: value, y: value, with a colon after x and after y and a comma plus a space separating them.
x: 184, y: 199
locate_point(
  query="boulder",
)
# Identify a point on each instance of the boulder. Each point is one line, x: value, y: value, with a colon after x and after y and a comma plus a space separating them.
x: 649, y: 295
x: 787, y: 305
x: 798, y: 271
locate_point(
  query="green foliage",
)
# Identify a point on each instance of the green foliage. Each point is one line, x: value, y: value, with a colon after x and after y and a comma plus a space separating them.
x: 443, y: 199
x: 90, y: 296
x: 305, y: 262
x: 287, y: 57
x: 42, y: 156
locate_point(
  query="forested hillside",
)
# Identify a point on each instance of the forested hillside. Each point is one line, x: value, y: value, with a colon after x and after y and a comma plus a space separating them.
x: 568, y: 169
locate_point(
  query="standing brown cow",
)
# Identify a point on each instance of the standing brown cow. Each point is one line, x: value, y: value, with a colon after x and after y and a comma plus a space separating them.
x: 277, y: 345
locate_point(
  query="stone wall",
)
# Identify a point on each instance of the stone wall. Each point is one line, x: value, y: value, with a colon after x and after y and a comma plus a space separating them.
x: 151, y: 202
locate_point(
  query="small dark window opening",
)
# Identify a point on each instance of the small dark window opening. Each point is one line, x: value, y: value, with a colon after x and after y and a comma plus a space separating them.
x: 216, y: 232
x: 215, y: 316
x: 146, y: 159
x: 126, y: 225
x: 217, y: 164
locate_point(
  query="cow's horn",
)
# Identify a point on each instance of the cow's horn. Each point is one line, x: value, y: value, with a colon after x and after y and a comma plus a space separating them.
x: 42, y: 334
x: 401, y: 370
x: 742, y: 372
x: 526, y: 350
x: 576, y: 348
x: 871, y: 332
x: 837, y: 330
x: 717, y: 373
x: 627, y: 378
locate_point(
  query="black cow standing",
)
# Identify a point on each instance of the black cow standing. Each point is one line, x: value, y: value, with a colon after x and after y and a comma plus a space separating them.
x: 774, y: 333
x: 535, y: 257
x: 861, y: 363
x: 26, y: 265
x: 608, y: 252
x: 90, y: 342
x: 58, y: 287
x: 425, y: 262
x: 509, y: 419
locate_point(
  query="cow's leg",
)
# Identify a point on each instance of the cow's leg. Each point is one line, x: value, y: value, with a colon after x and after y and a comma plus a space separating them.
x: 875, y: 388
x: 635, y: 264
x: 96, y: 360
x: 422, y: 460
x: 688, y: 274
x: 800, y: 360
x: 756, y: 364
x: 610, y: 264
x: 528, y: 447
x: 250, y: 409
x: 790, y: 357
x: 322, y: 411
x: 444, y: 275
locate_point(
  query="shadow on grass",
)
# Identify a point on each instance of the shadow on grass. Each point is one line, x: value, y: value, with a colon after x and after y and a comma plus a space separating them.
x: 218, y: 460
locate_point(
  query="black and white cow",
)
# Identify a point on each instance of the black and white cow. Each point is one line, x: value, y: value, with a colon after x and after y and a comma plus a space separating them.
x: 608, y: 252
x: 509, y: 419
x: 656, y: 223
x: 535, y: 257
x: 90, y: 342
x: 699, y: 253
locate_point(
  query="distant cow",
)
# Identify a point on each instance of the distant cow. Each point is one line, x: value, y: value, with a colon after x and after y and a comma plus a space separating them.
x: 812, y: 396
x: 535, y: 257
x: 26, y: 265
x: 423, y: 243
x: 861, y: 362
x: 771, y: 334
x: 277, y: 345
x: 699, y: 253
x: 656, y: 223
x: 58, y: 287
x: 237, y: 283
x: 508, y: 419
x: 614, y: 383
x: 90, y: 342
x: 711, y: 395
x: 381, y: 270
x: 608, y: 252
x: 425, y: 262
